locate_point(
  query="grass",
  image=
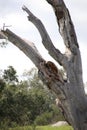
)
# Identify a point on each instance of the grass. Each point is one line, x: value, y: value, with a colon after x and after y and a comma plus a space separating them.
x: 43, y: 128
x: 54, y: 128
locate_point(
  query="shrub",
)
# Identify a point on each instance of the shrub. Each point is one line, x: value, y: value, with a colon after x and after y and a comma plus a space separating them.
x: 4, y: 124
x: 44, y: 118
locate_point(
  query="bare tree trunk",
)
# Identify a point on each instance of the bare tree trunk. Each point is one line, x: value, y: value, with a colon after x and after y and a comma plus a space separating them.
x: 71, y: 94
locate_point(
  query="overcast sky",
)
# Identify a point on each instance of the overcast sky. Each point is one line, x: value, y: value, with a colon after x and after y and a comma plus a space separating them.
x: 12, y: 14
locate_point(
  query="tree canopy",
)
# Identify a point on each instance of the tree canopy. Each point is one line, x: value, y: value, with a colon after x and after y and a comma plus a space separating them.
x: 26, y: 102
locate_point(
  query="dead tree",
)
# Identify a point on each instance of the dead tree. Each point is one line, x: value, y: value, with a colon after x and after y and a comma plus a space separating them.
x: 71, y: 94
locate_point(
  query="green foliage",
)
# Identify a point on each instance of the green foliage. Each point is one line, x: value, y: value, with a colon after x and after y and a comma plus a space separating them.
x: 49, y: 117
x: 4, y: 124
x: 27, y: 102
x: 10, y: 75
x: 44, y: 118
x: 2, y: 85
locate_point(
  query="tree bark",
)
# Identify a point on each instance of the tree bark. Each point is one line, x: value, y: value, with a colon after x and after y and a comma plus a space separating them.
x: 2, y: 36
x: 71, y: 94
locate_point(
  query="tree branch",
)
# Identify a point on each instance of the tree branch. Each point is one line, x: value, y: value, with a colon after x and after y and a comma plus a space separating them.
x: 2, y: 36
x: 66, y: 27
x: 44, y: 71
x: 46, y: 40
x: 27, y: 47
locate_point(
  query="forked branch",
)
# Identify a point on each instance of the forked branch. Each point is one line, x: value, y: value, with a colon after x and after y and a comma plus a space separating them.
x: 46, y: 40
x: 45, y: 70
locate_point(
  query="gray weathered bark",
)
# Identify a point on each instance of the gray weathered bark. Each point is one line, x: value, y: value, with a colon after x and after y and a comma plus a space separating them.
x: 2, y: 36
x: 71, y: 94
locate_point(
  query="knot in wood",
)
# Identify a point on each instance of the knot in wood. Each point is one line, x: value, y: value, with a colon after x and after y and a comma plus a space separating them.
x: 59, y: 14
x: 50, y: 71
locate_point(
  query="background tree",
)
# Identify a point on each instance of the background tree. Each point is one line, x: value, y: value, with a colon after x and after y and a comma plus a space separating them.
x: 26, y: 103
x: 10, y: 75
x: 71, y: 94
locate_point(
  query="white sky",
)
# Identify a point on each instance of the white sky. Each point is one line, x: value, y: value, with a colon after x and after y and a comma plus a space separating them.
x: 12, y: 14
